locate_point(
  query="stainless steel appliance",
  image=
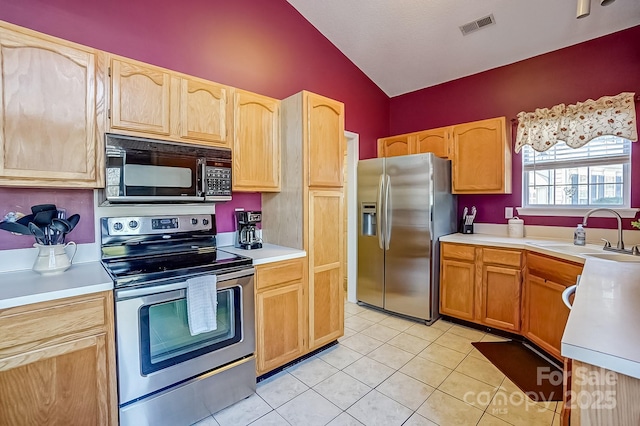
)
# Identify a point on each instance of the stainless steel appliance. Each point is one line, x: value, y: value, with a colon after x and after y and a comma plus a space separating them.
x: 246, y: 230
x: 405, y: 205
x: 166, y: 376
x: 142, y: 170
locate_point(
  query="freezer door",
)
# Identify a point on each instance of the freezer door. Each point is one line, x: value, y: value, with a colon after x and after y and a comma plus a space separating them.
x: 370, y: 285
x: 409, y: 201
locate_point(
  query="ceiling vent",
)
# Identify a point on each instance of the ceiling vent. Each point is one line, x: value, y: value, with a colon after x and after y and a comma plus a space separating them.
x: 477, y: 24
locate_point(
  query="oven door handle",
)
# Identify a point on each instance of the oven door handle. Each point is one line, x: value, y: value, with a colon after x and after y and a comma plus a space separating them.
x: 128, y: 293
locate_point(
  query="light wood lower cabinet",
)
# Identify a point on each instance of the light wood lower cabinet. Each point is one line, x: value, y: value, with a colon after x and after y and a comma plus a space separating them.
x: 599, y: 396
x: 481, y: 284
x: 57, y: 362
x: 280, y: 313
x: 545, y: 315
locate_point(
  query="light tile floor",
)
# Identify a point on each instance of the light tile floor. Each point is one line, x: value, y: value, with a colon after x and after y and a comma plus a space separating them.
x: 389, y: 371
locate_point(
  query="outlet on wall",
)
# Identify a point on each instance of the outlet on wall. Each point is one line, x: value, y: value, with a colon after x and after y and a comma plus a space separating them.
x: 508, y: 212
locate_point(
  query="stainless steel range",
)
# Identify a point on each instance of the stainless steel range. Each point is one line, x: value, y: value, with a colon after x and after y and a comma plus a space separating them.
x: 166, y: 376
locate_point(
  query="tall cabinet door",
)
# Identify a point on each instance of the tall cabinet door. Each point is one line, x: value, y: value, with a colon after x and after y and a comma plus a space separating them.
x: 325, y: 139
x: 326, y: 293
x: 203, y: 111
x: 256, y: 143
x: 48, y: 134
x: 482, y: 157
x: 140, y: 97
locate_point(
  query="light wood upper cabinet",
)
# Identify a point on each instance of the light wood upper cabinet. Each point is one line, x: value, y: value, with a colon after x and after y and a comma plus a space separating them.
x: 140, y: 97
x: 280, y: 313
x: 325, y: 140
x: 154, y: 102
x: 57, y: 362
x: 203, y: 110
x: 396, y: 145
x: 256, y: 143
x: 481, y: 158
x: 326, y: 292
x: 437, y: 141
x: 51, y: 96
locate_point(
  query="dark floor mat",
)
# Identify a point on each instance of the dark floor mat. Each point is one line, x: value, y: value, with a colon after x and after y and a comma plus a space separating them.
x: 534, y: 375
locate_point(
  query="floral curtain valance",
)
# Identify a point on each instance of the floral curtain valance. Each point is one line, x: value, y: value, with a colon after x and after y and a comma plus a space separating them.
x: 578, y: 124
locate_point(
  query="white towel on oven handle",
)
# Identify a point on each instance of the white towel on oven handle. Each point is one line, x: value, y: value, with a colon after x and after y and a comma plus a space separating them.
x: 202, y: 304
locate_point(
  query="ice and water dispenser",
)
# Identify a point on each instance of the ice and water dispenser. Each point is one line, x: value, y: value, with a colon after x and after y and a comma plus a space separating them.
x: 368, y: 219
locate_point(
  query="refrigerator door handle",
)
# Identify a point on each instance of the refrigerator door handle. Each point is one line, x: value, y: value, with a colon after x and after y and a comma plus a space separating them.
x: 387, y: 212
x: 380, y: 212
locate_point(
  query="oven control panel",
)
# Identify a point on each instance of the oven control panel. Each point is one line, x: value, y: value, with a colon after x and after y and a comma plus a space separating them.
x: 142, y: 225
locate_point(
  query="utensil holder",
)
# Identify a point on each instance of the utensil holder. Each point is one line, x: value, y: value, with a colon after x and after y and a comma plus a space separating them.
x: 53, y: 259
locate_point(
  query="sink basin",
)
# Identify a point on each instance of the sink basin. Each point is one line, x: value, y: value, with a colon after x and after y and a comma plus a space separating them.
x: 569, y: 248
x: 618, y: 257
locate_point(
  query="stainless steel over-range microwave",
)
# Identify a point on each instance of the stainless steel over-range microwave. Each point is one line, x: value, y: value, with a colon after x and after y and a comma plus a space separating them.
x: 140, y: 170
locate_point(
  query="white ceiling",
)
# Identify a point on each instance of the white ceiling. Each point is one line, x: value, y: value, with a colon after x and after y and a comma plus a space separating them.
x: 406, y: 45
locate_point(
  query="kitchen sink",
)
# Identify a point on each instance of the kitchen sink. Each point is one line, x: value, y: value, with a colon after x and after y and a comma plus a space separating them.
x: 569, y: 248
x: 618, y: 257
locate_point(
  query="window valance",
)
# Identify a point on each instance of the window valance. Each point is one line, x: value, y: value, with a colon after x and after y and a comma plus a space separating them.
x: 578, y: 124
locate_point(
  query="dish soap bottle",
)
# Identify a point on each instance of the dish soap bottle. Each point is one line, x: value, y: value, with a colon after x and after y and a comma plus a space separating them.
x: 579, y: 236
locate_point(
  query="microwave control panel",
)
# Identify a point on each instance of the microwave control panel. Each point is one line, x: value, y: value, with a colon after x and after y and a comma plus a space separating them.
x: 217, y: 181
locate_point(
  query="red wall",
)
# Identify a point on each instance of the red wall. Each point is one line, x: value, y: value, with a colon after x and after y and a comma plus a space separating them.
x: 264, y: 46
x: 604, y: 66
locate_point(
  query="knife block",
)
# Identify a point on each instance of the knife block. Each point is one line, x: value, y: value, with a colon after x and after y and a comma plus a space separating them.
x: 467, y: 229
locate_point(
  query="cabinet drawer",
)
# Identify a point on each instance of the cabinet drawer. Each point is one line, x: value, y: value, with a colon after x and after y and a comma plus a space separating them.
x: 458, y: 251
x: 48, y: 321
x: 560, y: 271
x: 279, y: 273
x: 502, y: 257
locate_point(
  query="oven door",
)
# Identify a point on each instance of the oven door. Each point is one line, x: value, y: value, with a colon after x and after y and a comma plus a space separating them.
x: 155, y: 349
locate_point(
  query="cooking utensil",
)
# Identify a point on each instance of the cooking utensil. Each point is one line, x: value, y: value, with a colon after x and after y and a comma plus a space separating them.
x: 37, y: 233
x: 73, y: 221
x: 44, y: 218
x: 60, y: 228
x: 42, y: 207
x: 15, y: 227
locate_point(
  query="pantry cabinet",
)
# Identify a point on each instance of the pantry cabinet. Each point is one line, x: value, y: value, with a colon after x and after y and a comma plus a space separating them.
x: 51, y: 105
x: 545, y: 314
x: 154, y: 102
x: 307, y: 214
x: 482, y: 285
x: 256, y: 143
x: 57, y: 362
x: 481, y: 158
x: 280, y: 313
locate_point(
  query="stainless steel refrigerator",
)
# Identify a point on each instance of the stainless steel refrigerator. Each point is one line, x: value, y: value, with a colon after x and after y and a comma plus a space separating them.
x: 404, y: 205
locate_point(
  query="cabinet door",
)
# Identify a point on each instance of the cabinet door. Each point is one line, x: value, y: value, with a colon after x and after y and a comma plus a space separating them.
x: 395, y: 146
x: 140, y: 98
x: 48, y: 134
x: 326, y: 293
x: 279, y: 326
x: 64, y: 384
x: 325, y: 139
x: 434, y: 140
x: 500, y: 305
x: 203, y: 111
x: 256, y: 143
x: 457, y: 289
x: 482, y: 158
x: 545, y: 315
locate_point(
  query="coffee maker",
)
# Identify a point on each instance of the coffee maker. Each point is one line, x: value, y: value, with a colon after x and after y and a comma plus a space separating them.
x: 246, y: 235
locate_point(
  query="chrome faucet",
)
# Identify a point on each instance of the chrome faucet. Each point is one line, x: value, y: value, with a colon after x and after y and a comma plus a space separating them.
x: 620, y: 245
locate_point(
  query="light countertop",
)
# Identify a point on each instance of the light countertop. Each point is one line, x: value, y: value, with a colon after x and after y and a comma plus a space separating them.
x: 602, y: 326
x: 26, y: 287
x: 267, y: 254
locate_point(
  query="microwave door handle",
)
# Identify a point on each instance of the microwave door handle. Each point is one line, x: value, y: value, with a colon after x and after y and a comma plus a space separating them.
x: 203, y: 176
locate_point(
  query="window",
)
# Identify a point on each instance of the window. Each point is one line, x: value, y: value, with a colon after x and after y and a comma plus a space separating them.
x: 597, y: 174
